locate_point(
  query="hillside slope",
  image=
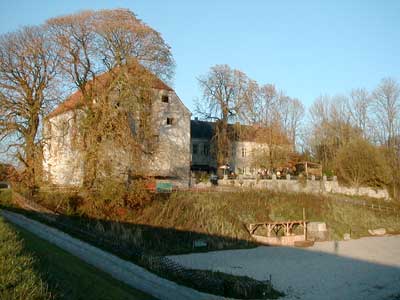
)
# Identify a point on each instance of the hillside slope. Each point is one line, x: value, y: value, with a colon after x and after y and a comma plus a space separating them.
x: 225, y: 215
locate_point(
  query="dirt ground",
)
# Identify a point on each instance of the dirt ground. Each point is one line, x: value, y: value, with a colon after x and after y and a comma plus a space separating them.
x: 367, y: 268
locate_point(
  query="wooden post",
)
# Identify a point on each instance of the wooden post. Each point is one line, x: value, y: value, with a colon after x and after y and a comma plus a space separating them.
x: 287, y: 229
x: 268, y: 230
x: 306, y: 171
x: 304, y: 224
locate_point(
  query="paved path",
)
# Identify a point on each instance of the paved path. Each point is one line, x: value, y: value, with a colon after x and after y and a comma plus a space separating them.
x: 368, y: 268
x: 118, y: 268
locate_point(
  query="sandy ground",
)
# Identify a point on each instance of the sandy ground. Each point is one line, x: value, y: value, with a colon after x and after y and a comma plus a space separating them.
x: 367, y: 268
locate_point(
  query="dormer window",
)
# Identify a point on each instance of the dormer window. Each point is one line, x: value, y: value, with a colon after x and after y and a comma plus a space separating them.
x: 165, y: 98
x: 170, y: 121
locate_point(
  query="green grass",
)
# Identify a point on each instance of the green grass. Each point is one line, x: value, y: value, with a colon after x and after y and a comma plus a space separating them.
x: 18, y: 279
x: 226, y: 214
x: 168, y: 225
x: 171, y: 223
x: 56, y: 272
x: 5, y: 196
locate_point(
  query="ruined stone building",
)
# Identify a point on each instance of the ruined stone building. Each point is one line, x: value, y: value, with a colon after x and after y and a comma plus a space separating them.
x: 64, y: 164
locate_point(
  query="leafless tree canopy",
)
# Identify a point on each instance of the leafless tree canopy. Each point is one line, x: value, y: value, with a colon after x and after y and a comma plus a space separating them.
x: 76, y: 51
x: 132, y: 54
x: 386, y: 103
x: 229, y: 96
x: 372, y: 117
x: 28, y: 64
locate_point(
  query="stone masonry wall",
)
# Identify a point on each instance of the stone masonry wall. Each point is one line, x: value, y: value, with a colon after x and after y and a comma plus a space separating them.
x: 309, y: 186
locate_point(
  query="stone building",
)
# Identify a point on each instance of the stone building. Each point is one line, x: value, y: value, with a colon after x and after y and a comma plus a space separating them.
x: 247, y: 142
x: 203, y: 158
x: 64, y: 165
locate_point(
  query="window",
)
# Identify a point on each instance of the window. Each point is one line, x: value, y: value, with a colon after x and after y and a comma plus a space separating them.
x: 170, y: 121
x: 206, y: 149
x: 243, y: 152
x: 195, y: 148
x: 165, y: 98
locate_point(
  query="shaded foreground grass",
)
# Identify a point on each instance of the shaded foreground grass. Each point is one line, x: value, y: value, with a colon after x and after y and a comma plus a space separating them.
x: 218, y: 283
x: 18, y: 279
x: 40, y: 270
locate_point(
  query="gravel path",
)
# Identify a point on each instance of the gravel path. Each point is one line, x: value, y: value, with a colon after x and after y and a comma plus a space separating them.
x: 120, y: 269
x: 368, y: 268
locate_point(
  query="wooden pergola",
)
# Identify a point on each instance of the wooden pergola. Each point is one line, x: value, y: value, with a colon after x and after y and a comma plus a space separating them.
x: 286, y: 226
x: 311, y: 168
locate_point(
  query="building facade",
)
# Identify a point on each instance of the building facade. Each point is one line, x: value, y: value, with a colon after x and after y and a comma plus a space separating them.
x: 63, y: 163
x: 246, y: 143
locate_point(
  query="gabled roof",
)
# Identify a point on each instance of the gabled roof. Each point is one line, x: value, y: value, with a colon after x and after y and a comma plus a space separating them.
x: 238, y: 132
x: 76, y: 99
x: 201, y: 129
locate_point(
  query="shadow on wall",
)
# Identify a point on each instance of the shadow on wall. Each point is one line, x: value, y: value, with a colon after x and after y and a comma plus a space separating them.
x: 303, y: 274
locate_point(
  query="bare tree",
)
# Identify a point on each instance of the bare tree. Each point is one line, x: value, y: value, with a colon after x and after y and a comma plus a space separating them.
x: 359, y: 106
x: 28, y: 65
x: 280, y: 117
x: 131, y: 53
x: 226, y: 94
x: 331, y: 128
x: 387, y: 110
x: 267, y: 105
x: 386, y: 107
x: 123, y: 37
x: 291, y: 112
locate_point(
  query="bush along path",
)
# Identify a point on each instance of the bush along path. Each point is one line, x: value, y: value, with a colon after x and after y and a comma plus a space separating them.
x: 137, y: 277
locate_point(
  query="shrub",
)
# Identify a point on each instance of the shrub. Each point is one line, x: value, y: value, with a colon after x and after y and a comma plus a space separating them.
x: 360, y: 163
x: 137, y: 195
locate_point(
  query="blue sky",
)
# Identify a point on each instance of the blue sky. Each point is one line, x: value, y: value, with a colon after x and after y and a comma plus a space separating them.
x: 306, y: 48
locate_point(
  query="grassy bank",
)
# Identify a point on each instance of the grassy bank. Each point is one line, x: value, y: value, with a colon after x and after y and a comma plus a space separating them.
x: 171, y: 223
x: 5, y: 196
x: 18, y: 278
x: 226, y: 214
x: 31, y: 268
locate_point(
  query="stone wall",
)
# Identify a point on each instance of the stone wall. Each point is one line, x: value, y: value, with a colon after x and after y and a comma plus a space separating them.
x: 63, y: 163
x: 309, y: 186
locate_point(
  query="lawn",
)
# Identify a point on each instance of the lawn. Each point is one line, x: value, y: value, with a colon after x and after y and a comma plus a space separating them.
x: 5, y: 196
x: 31, y: 268
x: 18, y: 279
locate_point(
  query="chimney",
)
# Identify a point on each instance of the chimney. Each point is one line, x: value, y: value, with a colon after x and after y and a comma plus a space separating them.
x: 196, y: 118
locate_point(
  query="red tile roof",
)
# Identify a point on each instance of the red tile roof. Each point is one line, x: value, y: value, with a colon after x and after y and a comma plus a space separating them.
x: 76, y: 100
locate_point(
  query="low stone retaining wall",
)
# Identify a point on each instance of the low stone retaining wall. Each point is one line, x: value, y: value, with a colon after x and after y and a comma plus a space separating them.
x: 307, y: 186
x: 288, y: 240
